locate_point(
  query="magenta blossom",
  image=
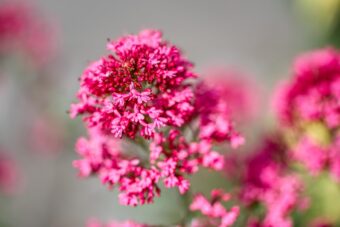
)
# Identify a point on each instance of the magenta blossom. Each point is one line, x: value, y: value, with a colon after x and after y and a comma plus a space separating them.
x: 141, y: 114
x: 215, y: 109
x: 309, y: 110
x: 215, y: 214
x: 314, y: 90
x: 137, y: 90
x: 267, y: 182
x: 118, y: 163
x: 23, y: 29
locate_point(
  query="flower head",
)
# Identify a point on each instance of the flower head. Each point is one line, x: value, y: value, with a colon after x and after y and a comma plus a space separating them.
x: 309, y: 109
x: 141, y: 113
x: 268, y: 182
x: 138, y: 89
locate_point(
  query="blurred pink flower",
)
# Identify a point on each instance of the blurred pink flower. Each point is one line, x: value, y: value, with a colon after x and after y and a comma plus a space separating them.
x: 313, y: 92
x: 240, y: 96
x: 23, y: 29
x: 95, y: 223
x: 268, y: 182
x: 9, y: 175
x: 46, y: 135
x: 308, y: 108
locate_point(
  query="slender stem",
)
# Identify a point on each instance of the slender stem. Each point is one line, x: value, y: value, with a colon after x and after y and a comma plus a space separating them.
x: 186, y: 200
x: 143, y: 149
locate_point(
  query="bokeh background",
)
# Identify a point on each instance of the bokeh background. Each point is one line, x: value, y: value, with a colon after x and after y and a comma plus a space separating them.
x: 260, y: 38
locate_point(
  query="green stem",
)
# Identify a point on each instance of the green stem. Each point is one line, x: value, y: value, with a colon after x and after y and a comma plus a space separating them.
x: 188, y: 214
x: 142, y: 148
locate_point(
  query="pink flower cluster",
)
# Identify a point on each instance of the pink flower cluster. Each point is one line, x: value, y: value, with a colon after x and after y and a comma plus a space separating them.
x: 317, y: 157
x: 213, y: 210
x: 141, y: 96
x: 309, y: 108
x: 21, y: 28
x: 96, y: 223
x: 267, y: 182
x: 151, y: 122
x: 215, y: 106
x: 314, y: 90
x: 102, y: 155
x: 139, y: 89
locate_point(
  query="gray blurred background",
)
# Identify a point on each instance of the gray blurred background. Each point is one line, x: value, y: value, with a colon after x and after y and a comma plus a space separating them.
x: 258, y: 37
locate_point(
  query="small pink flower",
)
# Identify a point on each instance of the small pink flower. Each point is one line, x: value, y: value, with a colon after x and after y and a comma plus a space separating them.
x: 213, y: 209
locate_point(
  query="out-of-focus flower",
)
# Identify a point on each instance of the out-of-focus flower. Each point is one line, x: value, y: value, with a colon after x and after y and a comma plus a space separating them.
x: 140, y: 97
x: 46, y: 135
x: 9, y: 175
x: 23, y: 29
x: 309, y: 110
x: 236, y: 93
x: 266, y: 181
x: 96, y: 223
x: 215, y: 214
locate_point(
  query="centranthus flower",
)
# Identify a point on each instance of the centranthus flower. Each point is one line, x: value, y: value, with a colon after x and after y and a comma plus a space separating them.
x: 141, y: 113
x: 23, y: 29
x: 215, y: 214
x: 309, y: 110
x: 217, y: 105
x: 138, y: 89
x: 268, y: 182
